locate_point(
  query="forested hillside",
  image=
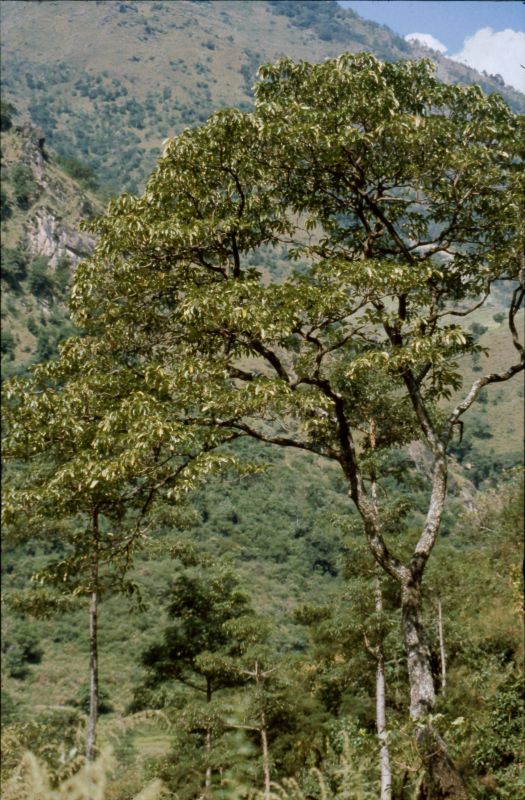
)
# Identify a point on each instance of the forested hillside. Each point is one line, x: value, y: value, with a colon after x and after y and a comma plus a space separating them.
x: 251, y: 423
x: 176, y: 62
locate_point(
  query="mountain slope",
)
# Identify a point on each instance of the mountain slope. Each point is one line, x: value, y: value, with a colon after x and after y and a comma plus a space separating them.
x: 173, y: 64
x: 42, y: 207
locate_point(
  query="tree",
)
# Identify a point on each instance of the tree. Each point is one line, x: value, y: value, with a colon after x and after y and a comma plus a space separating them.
x: 7, y: 110
x: 24, y: 185
x: 396, y: 196
x: 99, y: 460
x: 211, y: 628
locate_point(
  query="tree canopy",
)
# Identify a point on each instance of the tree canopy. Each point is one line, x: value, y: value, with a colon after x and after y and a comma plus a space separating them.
x: 300, y: 274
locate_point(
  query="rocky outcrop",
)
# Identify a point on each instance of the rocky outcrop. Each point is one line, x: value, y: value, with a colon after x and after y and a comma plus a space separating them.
x: 33, y: 151
x: 51, y: 223
x: 48, y: 235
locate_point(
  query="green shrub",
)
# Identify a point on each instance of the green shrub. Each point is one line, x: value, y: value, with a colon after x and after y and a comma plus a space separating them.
x: 8, y: 344
x: 500, y: 750
x: 41, y: 282
x: 63, y: 274
x: 32, y: 326
x: 44, y: 348
x: 5, y: 206
x: 478, y: 329
x: 20, y: 648
x: 88, y: 781
x: 81, y: 700
x: 8, y: 708
x: 81, y: 172
x: 14, y: 266
x: 6, y: 115
x: 24, y: 185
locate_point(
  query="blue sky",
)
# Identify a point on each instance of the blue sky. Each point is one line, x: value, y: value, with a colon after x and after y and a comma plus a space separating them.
x: 487, y: 35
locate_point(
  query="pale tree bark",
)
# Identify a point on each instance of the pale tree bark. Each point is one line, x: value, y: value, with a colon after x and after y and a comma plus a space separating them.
x: 442, y: 651
x: 442, y: 779
x: 382, y: 735
x: 265, y: 757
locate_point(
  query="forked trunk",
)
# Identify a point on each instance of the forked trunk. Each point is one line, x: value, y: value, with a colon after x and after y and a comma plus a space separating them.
x: 442, y: 780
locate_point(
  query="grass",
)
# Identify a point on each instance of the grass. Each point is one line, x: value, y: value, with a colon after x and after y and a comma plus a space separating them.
x: 504, y: 409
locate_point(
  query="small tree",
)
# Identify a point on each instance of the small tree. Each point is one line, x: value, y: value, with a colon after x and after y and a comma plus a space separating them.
x: 84, y: 490
x: 24, y: 185
x: 211, y: 627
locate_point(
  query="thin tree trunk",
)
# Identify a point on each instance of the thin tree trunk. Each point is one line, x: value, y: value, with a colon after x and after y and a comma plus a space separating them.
x: 93, y: 677
x: 93, y: 646
x: 208, y: 767
x: 209, y: 744
x: 443, y: 655
x: 384, y: 755
x: 265, y: 756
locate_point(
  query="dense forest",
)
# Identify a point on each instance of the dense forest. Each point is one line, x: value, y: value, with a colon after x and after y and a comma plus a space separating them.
x: 262, y: 518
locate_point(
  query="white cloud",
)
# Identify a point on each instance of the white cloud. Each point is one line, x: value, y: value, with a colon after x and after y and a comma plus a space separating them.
x: 496, y: 52
x: 428, y: 40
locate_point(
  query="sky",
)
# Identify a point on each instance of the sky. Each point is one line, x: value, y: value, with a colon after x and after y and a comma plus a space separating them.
x: 484, y: 34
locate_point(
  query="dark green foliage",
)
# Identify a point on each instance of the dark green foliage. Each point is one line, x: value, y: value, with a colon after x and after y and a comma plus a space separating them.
x: 20, y: 648
x: 14, y: 266
x: 500, y: 748
x: 5, y: 206
x: 62, y: 275
x: 41, y: 281
x: 45, y: 349
x: 83, y: 173
x: 24, y: 185
x: 213, y: 625
x: 7, y: 110
x: 478, y: 329
x: 8, y: 344
x: 7, y: 708
x: 324, y: 18
x: 81, y: 700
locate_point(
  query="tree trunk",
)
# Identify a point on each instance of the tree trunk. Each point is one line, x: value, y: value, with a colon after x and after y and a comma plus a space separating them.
x: 422, y: 694
x: 384, y: 755
x: 265, y: 756
x: 93, y: 677
x: 442, y: 780
x: 93, y: 644
x: 207, y: 779
x: 443, y: 655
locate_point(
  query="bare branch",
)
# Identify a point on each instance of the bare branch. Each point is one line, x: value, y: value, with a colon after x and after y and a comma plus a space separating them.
x: 474, y: 391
